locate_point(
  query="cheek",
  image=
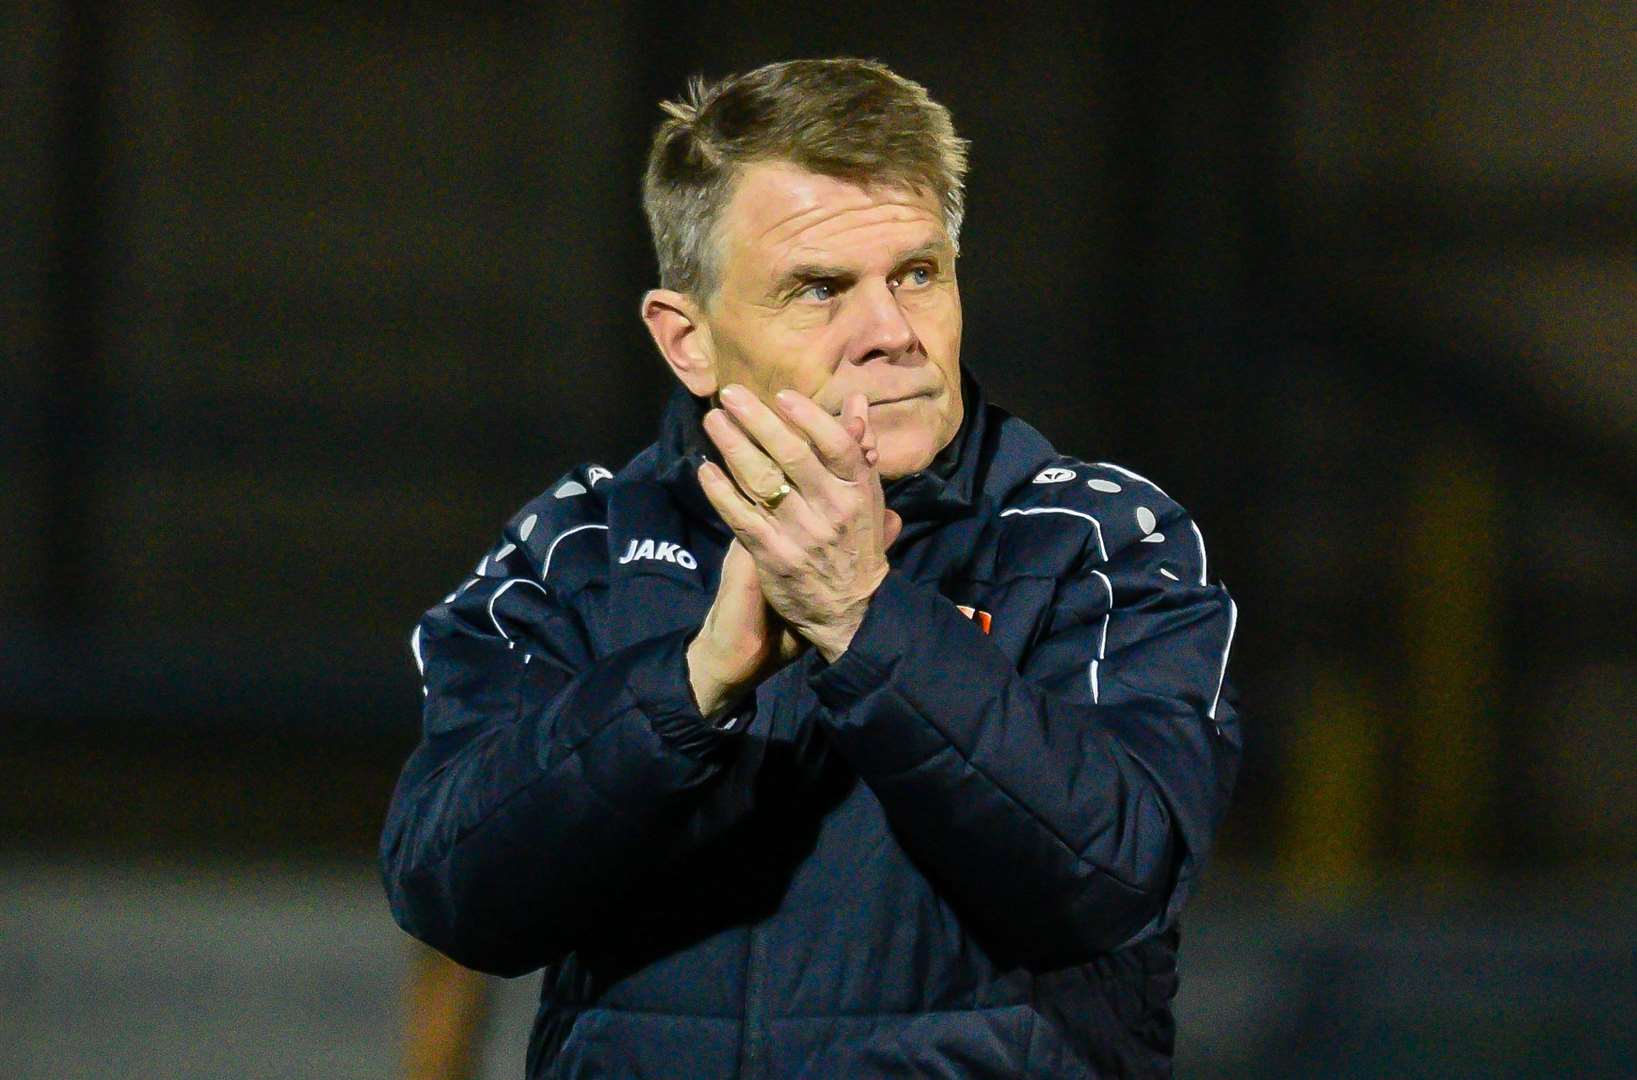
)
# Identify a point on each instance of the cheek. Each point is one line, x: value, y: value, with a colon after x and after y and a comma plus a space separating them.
x: 764, y: 359
x: 803, y: 360
x: 937, y: 322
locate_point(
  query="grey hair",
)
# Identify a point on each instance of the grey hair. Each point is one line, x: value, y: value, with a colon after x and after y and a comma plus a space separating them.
x: 849, y: 119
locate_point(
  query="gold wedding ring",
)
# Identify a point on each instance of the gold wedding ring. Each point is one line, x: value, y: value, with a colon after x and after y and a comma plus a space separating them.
x: 771, y: 502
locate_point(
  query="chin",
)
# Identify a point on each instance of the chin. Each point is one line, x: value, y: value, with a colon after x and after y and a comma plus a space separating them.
x: 897, y: 459
x: 908, y: 443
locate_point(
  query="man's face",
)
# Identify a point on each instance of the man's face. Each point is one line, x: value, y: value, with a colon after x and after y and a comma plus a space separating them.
x: 831, y: 289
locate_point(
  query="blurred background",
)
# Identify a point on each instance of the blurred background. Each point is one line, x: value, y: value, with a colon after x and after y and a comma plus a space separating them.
x: 302, y: 301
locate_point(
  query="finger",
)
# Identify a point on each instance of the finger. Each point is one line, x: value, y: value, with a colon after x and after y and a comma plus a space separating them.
x: 872, y: 452
x: 891, y: 526
x: 785, y: 446
x: 759, y: 533
x: 758, y: 480
x: 857, y: 411
x: 755, y: 473
x: 834, y: 447
x: 739, y: 514
x: 856, y: 428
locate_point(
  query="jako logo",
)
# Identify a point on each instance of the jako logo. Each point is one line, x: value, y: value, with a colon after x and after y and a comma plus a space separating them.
x: 665, y: 549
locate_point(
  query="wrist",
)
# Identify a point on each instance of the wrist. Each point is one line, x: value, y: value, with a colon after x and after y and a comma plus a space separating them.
x: 832, y: 640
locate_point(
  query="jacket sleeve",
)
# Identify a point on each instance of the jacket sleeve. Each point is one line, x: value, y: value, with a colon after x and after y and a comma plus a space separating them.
x: 546, y: 779
x: 1068, y: 802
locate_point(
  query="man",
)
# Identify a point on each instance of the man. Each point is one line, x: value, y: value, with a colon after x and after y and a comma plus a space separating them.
x: 850, y: 730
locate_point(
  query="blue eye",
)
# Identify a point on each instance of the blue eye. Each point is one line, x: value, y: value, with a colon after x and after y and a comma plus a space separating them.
x: 917, y: 275
x: 819, y: 290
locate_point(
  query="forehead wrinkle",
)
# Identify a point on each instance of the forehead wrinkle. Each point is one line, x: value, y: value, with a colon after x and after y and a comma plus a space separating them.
x: 810, y: 231
x: 777, y: 226
x: 794, y: 223
x: 883, y: 197
x: 817, y: 243
x: 847, y: 221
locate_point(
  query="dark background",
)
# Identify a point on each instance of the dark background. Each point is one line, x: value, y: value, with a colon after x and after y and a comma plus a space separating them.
x: 302, y: 301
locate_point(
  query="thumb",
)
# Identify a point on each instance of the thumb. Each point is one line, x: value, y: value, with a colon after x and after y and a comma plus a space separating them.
x: 738, y: 615
x: 738, y: 571
x: 891, y: 526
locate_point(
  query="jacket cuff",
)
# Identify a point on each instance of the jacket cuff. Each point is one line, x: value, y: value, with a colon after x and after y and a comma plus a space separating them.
x: 907, y: 650
x: 659, y: 685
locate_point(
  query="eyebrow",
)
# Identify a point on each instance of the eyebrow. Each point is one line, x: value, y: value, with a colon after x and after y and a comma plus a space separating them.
x: 808, y: 272
x: 930, y: 249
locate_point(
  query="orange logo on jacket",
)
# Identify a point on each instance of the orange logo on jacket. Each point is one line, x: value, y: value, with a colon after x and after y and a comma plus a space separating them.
x: 979, y: 617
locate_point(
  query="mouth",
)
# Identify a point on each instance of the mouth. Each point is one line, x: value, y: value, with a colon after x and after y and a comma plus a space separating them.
x: 899, y: 400
x: 876, y: 403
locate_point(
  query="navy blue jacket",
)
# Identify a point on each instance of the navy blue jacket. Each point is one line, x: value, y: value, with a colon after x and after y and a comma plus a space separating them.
x: 958, y: 851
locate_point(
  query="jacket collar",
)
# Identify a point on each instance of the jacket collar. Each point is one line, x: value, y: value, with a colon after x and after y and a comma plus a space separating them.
x: 944, y: 490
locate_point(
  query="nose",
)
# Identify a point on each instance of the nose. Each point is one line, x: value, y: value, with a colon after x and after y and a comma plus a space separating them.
x: 883, y: 330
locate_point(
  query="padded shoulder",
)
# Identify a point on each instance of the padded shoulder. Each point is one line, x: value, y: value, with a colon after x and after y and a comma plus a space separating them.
x: 557, y: 536
x: 576, y: 500
x: 1134, y: 519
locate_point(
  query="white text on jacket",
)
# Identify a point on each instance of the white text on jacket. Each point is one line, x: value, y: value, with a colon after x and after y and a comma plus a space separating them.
x: 664, y: 549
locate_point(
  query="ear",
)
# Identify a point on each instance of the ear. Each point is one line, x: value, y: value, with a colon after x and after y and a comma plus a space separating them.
x: 678, y: 328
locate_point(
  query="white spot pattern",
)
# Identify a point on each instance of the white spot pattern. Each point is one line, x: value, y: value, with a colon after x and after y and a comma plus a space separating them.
x: 527, y: 527
x: 568, y: 488
x: 1054, y: 476
x: 1129, y: 475
x: 1108, y: 486
x: 1145, y: 522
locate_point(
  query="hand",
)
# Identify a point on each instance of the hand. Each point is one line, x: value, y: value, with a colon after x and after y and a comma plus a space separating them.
x: 741, y: 641
x: 821, y: 554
